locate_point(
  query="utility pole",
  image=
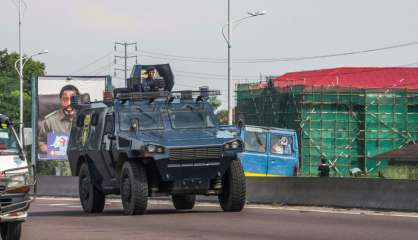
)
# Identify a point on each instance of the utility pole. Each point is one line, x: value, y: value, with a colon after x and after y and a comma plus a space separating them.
x: 20, y: 74
x: 229, y: 67
x: 125, y: 57
x: 228, y: 39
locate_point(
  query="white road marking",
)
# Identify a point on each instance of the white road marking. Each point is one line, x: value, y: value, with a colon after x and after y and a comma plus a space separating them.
x: 55, y: 204
x: 72, y: 206
x: 259, y: 206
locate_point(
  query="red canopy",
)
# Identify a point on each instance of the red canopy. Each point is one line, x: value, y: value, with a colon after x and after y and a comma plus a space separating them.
x: 352, y: 77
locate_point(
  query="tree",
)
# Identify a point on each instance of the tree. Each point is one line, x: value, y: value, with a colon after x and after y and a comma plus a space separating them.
x: 215, y: 102
x: 10, y: 92
x: 222, y: 116
x: 9, y: 85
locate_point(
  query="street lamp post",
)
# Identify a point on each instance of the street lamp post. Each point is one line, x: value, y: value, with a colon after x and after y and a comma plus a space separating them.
x: 20, y: 72
x: 20, y: 75
x: 229, y: 46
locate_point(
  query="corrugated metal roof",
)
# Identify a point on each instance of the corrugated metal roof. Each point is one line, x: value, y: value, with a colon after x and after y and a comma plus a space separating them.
x: 407, y: 153
x: 353, y: 77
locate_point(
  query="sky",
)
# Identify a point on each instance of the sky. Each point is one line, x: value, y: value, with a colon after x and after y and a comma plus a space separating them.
x: 80, y: 36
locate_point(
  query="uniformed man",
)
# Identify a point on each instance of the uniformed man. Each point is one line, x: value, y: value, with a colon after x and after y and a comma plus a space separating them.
x: 149, y: 83
x: 60, y: 120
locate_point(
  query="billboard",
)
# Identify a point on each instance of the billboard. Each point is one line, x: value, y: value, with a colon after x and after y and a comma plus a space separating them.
x: 55, y: 114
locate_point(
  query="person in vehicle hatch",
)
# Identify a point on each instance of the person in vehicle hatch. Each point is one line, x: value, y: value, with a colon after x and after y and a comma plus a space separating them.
x: 149, y: 83
x: 58, y: 121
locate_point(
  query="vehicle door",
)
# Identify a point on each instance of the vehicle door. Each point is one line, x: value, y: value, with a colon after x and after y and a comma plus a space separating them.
x: 108, y: 142
x: 254, y: 158
x: 282, y: 160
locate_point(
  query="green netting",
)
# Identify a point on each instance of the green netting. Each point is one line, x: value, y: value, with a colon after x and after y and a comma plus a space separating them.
x: 347, y: 126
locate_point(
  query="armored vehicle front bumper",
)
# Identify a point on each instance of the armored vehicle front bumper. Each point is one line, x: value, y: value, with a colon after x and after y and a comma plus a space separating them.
x: 193, y: 169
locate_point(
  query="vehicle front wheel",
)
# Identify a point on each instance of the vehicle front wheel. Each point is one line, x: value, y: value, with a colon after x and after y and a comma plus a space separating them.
x: 92, y: 200
x: 184, y: 202
x: 10, y: 230
x: 232, y: 198
x: 134, y: 188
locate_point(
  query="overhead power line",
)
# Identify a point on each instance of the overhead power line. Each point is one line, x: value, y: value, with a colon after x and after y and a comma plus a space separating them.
x: 180, y: 58
x: 102, y: 69
x: 215, y: 75
x: 91, y: 63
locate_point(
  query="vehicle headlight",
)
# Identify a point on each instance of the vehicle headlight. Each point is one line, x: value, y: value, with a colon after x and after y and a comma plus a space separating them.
x: 151, y: 148
x: 16, y: 181
x: 234, y: 145
x: 160, y: 150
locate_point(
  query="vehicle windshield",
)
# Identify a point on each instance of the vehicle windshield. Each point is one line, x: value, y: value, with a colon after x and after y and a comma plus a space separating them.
x: 8, y: 141
x: 255, y: 141
x: 132, y: 121
x: 190, y: 117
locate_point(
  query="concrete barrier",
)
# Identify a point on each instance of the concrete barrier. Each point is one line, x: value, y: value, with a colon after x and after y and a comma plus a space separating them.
x: 385, y: 194
x: 388, y: 194
x: 57, y: 186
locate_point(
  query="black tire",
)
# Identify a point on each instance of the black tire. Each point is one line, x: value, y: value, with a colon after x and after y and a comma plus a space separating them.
x: 232, y: 198
x: 184, y: 202
x: 134, y: 188
x: 92, y: 200
x: 11, y: 230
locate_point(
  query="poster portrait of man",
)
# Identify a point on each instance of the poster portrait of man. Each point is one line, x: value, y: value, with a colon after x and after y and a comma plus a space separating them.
x: 55, y: 113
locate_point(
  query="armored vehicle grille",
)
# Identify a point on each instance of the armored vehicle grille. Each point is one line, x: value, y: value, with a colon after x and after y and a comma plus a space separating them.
x: 195, y: 153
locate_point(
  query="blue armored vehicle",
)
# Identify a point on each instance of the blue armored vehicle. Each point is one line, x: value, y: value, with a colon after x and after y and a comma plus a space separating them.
x: 150, y: 141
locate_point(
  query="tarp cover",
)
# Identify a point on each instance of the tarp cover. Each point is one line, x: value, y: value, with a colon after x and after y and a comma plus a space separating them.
x: 352, y: 77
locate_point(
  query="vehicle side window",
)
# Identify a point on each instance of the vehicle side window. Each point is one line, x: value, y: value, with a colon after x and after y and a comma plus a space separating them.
x: 80, y: 120
x: 281, y: 144
x: 255, y: 141
x: 94, y: 119
x: 109, y: 125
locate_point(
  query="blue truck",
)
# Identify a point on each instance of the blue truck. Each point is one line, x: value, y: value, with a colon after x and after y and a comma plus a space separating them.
x: 269, y: 151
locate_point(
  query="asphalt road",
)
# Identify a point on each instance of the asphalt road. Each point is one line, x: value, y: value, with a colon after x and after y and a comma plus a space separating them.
x: 63, y: 219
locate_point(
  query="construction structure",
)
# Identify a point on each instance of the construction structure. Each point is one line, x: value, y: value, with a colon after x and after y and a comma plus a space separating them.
x: 347, y: 115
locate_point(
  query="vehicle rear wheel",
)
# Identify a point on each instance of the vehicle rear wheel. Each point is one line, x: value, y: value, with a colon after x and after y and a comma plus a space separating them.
x: 10, y: 230
x: 184, y: 202
x: 134, y: 188
x: 92, y: 200
x: 232, y: 198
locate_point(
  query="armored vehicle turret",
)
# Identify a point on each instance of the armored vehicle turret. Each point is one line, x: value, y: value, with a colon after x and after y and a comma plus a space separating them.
x: 151, y: 142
